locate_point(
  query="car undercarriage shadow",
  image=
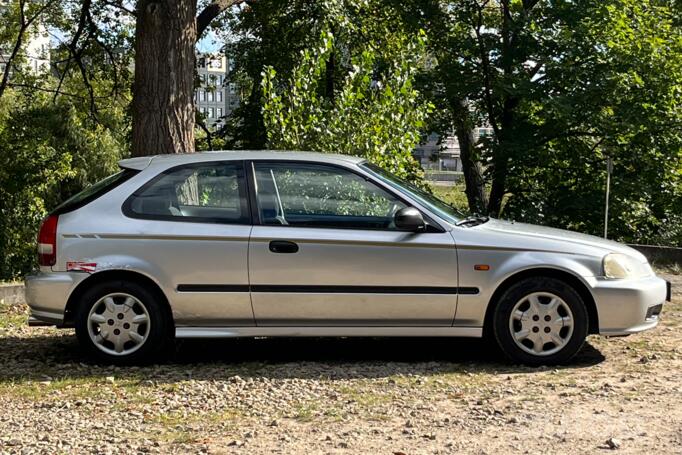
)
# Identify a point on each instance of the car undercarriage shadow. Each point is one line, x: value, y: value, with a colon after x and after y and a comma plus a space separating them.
x: 60, y: 357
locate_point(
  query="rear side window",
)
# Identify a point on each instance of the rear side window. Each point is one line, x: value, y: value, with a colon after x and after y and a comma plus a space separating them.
x: 93, y: 192
x: 206, y: 192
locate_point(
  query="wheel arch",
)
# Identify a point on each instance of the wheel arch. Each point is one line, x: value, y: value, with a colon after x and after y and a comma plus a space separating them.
x: 108, y: 276
x: 567, y: 277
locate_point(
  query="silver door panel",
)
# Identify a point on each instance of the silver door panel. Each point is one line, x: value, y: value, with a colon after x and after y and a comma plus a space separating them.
x: 348, y: 257
x: 172, y: 253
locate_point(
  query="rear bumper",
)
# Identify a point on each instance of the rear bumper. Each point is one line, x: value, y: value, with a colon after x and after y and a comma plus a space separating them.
x: 47, y: 294
x: 625, y: 307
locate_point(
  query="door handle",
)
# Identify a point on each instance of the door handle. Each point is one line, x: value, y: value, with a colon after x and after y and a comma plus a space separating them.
x: 283, y: 246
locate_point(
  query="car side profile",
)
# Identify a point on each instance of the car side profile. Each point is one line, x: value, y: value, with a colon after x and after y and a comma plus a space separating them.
x: 253, y: 244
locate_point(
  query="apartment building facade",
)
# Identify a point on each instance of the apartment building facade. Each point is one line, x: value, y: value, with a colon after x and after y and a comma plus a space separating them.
x: 216, y: 96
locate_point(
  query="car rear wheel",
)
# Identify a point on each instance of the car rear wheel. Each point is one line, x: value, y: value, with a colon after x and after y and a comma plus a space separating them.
x: 122, y: 323
x: 540, y: 321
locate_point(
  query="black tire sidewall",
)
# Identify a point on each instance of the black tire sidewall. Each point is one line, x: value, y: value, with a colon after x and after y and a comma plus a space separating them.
x: 159, y: 332
x: 528, y: 286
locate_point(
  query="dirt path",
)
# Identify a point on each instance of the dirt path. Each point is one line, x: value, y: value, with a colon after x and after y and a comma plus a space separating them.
x: 387, y: 396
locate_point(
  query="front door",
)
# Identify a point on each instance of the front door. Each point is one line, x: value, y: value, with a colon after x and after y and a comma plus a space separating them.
x: 326, y: 253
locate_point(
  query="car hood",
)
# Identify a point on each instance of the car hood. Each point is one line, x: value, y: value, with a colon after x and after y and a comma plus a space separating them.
x: 560, y: 240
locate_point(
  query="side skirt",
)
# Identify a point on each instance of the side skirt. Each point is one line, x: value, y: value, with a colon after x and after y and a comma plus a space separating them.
x: 237, y: 332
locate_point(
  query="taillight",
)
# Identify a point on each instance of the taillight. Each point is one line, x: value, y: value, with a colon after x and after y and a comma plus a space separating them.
x: 47, y: 241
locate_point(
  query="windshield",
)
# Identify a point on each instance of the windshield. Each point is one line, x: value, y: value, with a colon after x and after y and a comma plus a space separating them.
x: 440, y: 208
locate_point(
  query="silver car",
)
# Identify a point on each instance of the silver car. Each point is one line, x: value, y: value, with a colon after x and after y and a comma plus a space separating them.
x: 263, y: 244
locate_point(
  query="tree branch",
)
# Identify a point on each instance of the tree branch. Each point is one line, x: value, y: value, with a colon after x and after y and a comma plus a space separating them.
x: 120, y: 7
x: 213, y: 10
x: 24, y: 24
x: 202, y: 124
x: 76, y: 52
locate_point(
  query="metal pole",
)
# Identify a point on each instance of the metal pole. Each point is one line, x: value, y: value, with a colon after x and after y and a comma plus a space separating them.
x: 609, y: 170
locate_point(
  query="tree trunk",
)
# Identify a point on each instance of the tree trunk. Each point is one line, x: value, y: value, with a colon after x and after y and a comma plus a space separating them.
x: 471, y: 165
x: 163, y: 91
x: 504, y: 131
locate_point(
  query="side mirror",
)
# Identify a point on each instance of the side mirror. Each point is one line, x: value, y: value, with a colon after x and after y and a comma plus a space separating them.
x: 409, y: 219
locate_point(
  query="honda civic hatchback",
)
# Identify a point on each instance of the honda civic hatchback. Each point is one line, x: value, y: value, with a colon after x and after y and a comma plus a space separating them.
x: 265, y: 244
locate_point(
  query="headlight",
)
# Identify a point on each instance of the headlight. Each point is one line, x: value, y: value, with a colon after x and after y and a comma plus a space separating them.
x: 619, y: 266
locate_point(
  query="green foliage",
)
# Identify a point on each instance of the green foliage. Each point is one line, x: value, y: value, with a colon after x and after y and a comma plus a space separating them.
x: 564, y: 85
x: 453, y: 195
x: 375, y: 114
x: 631, y: 110
x: 61, y: 128
x: 273, y: 33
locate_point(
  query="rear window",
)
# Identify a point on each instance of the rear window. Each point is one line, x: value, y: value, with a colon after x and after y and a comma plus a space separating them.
x: 93, y: 192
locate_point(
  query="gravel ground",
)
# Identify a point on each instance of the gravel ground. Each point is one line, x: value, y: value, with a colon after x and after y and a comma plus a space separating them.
x: 393, y: 396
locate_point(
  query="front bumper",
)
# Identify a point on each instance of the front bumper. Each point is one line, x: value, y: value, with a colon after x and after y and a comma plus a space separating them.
x: 625, y: 307
x: 47, y: 294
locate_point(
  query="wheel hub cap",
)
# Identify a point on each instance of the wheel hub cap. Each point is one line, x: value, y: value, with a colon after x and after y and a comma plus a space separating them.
x: 541, y: 323
x: 118, y: 324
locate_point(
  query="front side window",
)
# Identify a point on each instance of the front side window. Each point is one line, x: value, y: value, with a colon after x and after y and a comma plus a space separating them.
x: 444, y: 210
x: 211, y: 192
x: 315, y: 195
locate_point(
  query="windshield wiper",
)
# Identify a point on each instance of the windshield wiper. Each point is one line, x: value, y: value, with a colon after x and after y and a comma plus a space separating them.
x: 473, y: 220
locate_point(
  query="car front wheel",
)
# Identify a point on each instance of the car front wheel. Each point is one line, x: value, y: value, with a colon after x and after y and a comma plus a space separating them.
x: 122, y: 323
x: 540, y: 321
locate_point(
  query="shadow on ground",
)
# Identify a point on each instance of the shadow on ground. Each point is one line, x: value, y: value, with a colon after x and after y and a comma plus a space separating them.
x: 59, y: 356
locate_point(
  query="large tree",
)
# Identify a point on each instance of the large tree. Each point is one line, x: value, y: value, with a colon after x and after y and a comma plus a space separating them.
x: 166, y: 33
x: 555, y: 80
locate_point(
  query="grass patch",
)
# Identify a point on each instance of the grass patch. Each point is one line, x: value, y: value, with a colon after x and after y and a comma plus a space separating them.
x: 13, y: 316
x: 306, y: 412
x: 364, y: 398
x: 85, y: 387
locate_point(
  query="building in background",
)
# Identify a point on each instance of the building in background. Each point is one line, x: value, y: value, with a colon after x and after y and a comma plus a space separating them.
x: 216, y: 97
x: 437, y: 154
x: 440, y: 157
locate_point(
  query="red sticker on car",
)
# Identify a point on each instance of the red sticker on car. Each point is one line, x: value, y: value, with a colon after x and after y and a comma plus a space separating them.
x: 77, y: 266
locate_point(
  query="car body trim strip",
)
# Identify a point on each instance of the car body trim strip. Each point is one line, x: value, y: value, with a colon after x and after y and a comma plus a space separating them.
x: 224, y: 238
x: 303, y: 289
x: 213, y: 288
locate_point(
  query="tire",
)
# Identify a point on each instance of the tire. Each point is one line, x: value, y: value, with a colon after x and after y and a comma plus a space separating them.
x: 123, y: 323
x: 540, y: 321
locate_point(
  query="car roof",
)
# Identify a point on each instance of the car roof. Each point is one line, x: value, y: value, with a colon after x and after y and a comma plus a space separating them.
x: 142, y: 162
